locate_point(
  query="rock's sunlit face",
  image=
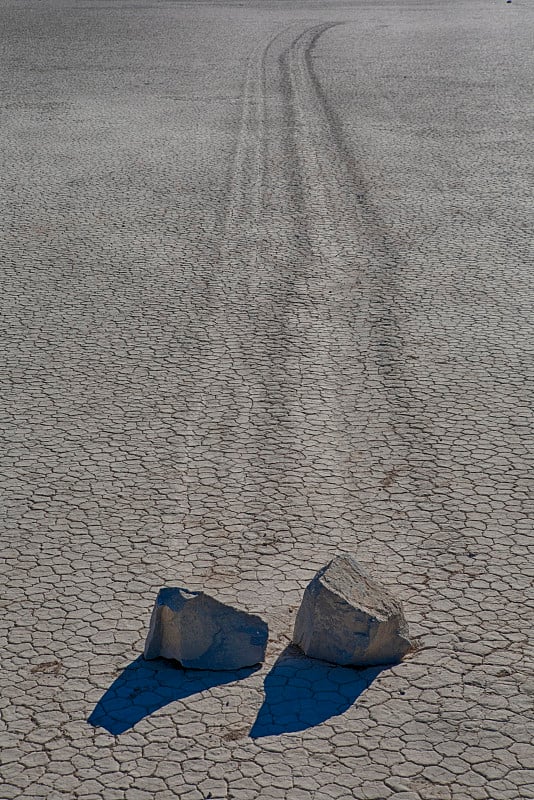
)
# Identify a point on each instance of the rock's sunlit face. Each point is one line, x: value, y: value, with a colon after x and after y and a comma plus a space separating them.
x: 266, y: 297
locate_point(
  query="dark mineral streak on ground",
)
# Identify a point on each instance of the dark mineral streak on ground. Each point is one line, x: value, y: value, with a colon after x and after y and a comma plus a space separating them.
x: 267, y: 296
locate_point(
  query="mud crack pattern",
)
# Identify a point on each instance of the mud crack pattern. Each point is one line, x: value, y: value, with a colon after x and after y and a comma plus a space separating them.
x: 266, y: 296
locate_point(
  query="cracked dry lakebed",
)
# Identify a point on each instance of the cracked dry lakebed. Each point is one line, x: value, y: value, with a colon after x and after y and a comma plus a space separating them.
x: 267, y: 297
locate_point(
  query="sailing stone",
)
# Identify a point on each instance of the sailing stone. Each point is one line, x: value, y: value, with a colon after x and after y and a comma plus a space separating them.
x: 202, y: 633
x: 347, y: 617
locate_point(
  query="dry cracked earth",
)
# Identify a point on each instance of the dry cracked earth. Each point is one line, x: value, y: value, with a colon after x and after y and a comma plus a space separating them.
x: 267, y: 295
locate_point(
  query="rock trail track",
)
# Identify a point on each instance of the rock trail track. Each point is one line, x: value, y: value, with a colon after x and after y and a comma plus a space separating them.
x: 283, y: 339
x: 266, y: 296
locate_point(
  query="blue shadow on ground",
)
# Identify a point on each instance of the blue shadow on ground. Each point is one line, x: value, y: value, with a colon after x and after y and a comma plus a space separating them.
x: 146, y: 686
x: 302, y: 692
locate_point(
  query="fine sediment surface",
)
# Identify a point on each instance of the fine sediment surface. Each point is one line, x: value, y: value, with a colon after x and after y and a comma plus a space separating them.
x: 267, y: 295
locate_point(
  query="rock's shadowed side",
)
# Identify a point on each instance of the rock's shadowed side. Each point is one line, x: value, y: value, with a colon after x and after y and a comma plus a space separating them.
x: 202, y: 633
x: 349, y: 618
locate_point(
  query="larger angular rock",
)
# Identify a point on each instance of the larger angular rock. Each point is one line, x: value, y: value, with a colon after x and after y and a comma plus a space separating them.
x: 349, y: 618
x: 202, y: 633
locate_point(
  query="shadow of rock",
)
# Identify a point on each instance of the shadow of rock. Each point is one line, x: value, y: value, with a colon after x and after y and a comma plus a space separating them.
x: 145, y: 686
x: 302, y: 692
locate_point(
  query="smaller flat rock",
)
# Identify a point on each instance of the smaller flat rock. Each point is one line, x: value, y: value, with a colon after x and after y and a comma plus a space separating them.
x: 349, y: 618
x: 202, y: 633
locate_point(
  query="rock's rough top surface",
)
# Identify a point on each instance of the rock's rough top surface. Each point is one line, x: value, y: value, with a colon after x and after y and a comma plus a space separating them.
x: 347, y: 617
x: 202, y: 633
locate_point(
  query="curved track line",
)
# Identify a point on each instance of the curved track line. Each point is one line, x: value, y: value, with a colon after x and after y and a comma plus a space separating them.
x: 287, y: 301
x: 246, y: 186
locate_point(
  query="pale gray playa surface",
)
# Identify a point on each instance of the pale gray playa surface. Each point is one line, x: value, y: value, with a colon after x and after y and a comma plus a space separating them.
x: 267, y: 291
